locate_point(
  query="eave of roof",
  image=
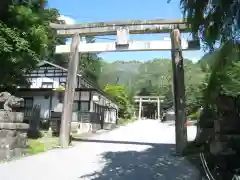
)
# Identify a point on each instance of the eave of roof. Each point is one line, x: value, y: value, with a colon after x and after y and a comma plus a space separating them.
x: 79, y: 75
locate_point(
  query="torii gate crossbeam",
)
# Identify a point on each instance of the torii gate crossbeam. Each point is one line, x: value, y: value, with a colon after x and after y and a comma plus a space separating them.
x: 110, y: 28
x: 153, y: 45
x: 123, y: 29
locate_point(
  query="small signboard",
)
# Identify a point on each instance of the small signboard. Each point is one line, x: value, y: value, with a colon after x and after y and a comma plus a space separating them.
x: 122, y: 36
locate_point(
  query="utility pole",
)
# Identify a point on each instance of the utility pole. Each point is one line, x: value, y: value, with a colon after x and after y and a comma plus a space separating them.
x: 179, y: 91
x: 66, y: 118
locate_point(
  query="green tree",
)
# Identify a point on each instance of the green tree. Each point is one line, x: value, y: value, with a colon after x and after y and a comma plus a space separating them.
x: 119, y: 93
x: 215, y: 20
x: 224, y: 78
x: 154, y: 78
x: 90, y: 64
x: 24, y: 39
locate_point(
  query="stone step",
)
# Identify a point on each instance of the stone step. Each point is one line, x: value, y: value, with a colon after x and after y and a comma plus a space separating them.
x: 8, y: 116
x: 8, y: 154
x: 14, y: 126
x: 12, y: 139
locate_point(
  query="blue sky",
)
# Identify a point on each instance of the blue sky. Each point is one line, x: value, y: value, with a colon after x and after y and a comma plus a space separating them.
x: 83, y: 11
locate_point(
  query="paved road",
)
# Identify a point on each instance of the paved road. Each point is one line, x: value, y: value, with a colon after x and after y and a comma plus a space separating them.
x: 141, y: 150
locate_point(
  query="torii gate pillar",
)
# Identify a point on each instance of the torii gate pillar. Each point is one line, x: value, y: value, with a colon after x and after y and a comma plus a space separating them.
x: 158, y: 109
x: 140, y: 109
x: 66, y: 117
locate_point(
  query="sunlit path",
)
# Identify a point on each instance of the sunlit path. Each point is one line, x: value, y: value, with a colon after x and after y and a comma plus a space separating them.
x: 141, y: 150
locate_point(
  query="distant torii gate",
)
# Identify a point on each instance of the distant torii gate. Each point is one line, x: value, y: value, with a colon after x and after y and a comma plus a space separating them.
x: 122, y: 29
x: 149, y: 99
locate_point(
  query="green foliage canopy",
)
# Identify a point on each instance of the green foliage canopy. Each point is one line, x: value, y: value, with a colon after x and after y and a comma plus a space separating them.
x: 154, y: 78
x: 215, y: 20
x: 25, y: 38
x: 119, y: 94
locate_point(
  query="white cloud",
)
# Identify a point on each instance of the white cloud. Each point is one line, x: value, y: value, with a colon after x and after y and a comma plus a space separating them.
x: 67, y: 19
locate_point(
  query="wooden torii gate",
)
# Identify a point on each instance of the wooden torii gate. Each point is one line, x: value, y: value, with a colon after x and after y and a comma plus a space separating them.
x: 122, y: 29
x: 149, y: 99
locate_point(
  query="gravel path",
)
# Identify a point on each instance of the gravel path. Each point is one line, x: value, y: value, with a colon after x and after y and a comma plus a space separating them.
x: 140, y: 151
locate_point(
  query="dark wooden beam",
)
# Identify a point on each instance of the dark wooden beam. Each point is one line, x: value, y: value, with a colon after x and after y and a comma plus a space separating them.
x: 110, y: 28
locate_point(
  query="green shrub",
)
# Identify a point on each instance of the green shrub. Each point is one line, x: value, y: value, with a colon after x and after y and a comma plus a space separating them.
x: 120, y: 95
x: 35, y: 146
x: 123, y: 121
x: 192, y: 148
x: 194, y: 116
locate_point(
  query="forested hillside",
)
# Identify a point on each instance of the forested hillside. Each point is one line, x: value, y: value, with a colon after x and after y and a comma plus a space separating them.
x: 152, y: 78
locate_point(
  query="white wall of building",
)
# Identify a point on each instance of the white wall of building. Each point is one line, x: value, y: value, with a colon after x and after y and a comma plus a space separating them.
x: 42, y: 78
x: 44, y: 102
x: 38, y: 81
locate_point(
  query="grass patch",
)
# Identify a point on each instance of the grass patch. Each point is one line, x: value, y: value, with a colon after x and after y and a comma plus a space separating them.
x: 43, y: 144
x: 194, y: 116
x: 122, y: 121
x: 35, y: 146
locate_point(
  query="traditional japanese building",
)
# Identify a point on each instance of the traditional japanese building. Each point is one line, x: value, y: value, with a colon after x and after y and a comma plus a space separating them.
x: 42, y: 91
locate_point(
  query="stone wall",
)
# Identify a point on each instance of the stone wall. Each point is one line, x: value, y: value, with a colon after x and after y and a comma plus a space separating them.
x: 226, y: 136
x: 13, y: 134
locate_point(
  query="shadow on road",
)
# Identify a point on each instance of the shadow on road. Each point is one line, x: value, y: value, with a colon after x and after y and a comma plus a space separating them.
x: 156, y: 162
x: 118, y: 142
